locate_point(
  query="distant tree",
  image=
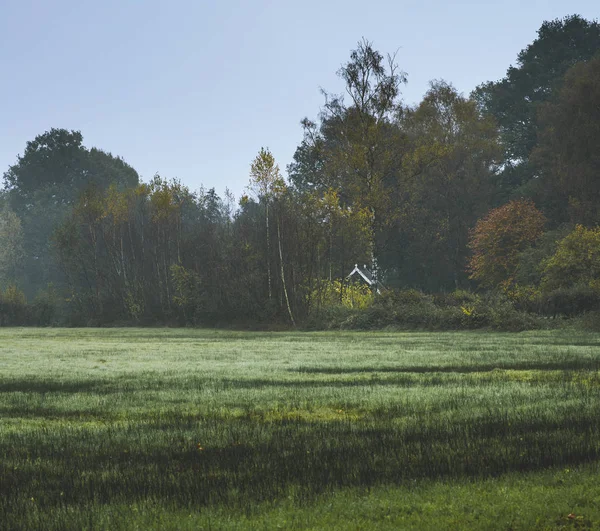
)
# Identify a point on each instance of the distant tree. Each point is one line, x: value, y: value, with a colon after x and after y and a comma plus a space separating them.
x: 532, y: 259
x: 497, y: 240
x: 58, y: 164
x: 355, y: 146
x: 515, y: 99
x: 576, y: 260
x: 265, y: 180
x: 11, y: 247
x: 45, y: 184
x: 568, y: 152
x: 13, y: 307
x: 451, y: 156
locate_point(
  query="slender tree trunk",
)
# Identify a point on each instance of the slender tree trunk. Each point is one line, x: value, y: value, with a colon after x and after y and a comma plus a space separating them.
x: 285, y: 292
x: 374, y: 254
x: 268, y: 251
x: 167, y: 253
x: 96, y: 269
x: 123, y: 256
x: 330, y: 250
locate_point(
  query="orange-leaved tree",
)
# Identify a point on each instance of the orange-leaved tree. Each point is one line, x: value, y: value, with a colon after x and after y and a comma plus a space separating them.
x: 497, y: 240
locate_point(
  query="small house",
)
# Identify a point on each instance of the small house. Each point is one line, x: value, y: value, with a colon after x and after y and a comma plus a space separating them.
x: 364, y: 274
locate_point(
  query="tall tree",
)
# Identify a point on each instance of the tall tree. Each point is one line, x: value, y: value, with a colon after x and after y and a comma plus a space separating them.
x: 568, y: 152
x: 11, y: 247
x: 514, y: 100
x: 45, y: 184
x: 355, y: 146
x: 265, y: 179
x: 452, y: 156
x: 58, y: 164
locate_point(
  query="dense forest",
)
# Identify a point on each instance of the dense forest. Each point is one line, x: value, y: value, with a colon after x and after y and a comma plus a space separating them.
x: 469, y: 211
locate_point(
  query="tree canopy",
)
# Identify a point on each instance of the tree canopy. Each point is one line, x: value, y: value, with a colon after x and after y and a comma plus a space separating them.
x: 496, y: 191
x: 514, y: 101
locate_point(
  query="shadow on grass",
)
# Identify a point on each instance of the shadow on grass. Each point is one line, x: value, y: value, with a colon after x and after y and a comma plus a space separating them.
x: 413, y: 376
x: 263, y: 462
x: 51, y: 386
x: 567, y: 365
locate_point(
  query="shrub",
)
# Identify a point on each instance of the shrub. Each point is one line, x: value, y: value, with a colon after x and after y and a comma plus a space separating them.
x: 576, y: 260
x: 411, y: 309
x: 45, y: 307
x: 394, y: 298
x: 570, y: 301
x: 589, y: 321
x: 328, y: 293
x: 499, y: 313
x: 525, y: 298
x: 457, y: 298
x: 13, y: 307
x: 329, y: 318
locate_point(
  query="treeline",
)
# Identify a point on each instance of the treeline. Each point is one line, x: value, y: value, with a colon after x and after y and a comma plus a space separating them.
x: 497, y: 192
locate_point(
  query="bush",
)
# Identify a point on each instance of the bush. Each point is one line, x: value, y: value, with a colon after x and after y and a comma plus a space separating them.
x: 499, y: 313
x: 570, y: 301
x: 45, y: 307
x: 411, y: 309
x: 328, y: 317
x: 330, y: 293
x: 576, y: 260
x: 589, y: 321
x: 525, y: 298
x: 372, y: 318
x: 13, y: 307
x: 457, y: 298
x: 402, y: 297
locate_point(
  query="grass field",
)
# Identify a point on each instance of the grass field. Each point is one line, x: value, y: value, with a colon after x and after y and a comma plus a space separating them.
x: 195, y: 429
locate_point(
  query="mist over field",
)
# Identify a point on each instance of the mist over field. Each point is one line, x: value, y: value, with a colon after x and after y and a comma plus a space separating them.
x: 127, y: 428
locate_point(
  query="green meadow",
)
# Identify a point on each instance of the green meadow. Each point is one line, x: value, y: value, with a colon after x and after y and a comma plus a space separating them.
x: 198, y: 429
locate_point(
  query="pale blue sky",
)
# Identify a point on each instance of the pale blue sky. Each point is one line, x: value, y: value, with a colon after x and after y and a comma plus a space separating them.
x: 193, y: 89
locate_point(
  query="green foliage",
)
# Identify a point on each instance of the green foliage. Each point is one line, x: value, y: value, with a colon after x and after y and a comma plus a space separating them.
x: 568, y: 150
x: 336, y: 293
x: 461, y: 310
x: 498, y: 312
x: 403, y: 297
x: 354, y: 147
x: 13, y: 307
x: 56, y: 162
x: 331, y: 317
x: 187, y: 294
x: 265, y: 177
x: 47, y: 307
x: 14, y: 296
x: 457, y: 298
x: 570, y: 301
x: 589, y: 321
x: 576, y: 261
x: 514, y: 101
x: 525, y: 297
x: 451, y: 153
x: 531, y: 260
x: 44, y: 186
x: 373, y: 181
x: 11, y: 246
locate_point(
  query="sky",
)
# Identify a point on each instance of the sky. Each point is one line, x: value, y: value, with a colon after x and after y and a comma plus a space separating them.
x: 193, y: 89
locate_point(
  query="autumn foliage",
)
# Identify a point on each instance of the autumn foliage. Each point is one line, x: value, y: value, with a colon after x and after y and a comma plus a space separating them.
x: 497, y: 240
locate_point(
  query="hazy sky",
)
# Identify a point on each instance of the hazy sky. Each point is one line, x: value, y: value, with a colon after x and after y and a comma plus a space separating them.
x: 193, y: 89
